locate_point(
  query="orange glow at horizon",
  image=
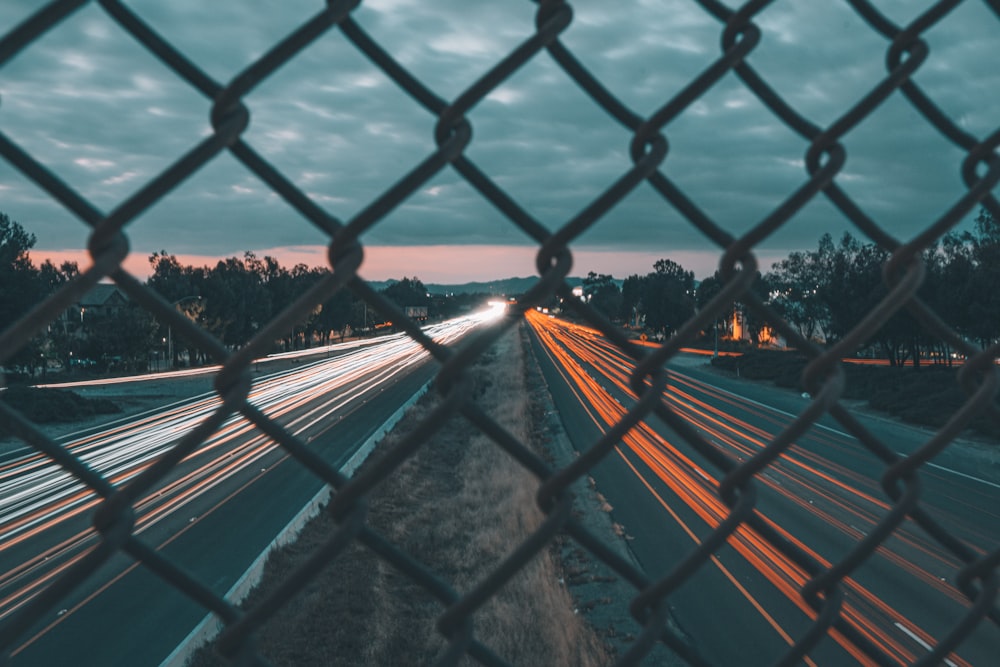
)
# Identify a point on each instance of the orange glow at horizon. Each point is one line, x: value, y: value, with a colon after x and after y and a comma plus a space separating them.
x: 448, y: 264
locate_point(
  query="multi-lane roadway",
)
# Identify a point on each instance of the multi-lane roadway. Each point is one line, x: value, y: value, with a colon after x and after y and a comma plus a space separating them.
x: 212, y: 515
x: 823, y: 495
x: 217, y: 510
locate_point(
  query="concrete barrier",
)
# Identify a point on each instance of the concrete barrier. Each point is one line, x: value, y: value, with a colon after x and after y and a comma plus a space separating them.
x: 211, y: 626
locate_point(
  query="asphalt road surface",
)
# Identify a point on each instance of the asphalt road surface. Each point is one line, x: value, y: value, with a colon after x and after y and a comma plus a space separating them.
x: 742, y: 606
x: 212, y: 515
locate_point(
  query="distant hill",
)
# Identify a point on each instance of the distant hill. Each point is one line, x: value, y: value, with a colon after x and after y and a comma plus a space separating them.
x: 501, y: 287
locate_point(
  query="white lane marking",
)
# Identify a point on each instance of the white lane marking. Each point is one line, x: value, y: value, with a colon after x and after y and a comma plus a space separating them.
x: 912, y: 635
x: 839, y: 432
x: 960, y: 474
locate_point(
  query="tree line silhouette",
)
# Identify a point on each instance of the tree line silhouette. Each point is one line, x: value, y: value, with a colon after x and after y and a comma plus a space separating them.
x: 823, y: 293
x: 231, y: 300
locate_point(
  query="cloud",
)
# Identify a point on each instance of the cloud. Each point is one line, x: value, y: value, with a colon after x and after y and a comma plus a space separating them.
x: 93, y: 164
x: 106, y: 117
x: 124, y: 177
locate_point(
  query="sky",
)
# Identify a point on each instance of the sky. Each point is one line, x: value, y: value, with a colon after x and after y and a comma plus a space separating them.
x: 106, y: 117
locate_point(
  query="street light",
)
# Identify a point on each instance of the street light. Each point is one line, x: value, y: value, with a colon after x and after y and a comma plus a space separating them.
x: 170, y: 336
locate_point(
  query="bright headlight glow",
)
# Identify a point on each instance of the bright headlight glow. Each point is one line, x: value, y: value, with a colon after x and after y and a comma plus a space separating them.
x: 495, y: 311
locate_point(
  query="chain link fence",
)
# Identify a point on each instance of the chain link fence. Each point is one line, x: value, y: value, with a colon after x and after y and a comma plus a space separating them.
x: 825, y: 155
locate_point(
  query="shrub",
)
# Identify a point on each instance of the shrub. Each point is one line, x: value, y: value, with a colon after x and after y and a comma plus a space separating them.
x: 47, y: 406
x: 928, y: 396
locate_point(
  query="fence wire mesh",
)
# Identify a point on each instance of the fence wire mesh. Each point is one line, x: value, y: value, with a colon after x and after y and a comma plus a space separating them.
x: 825, y: 156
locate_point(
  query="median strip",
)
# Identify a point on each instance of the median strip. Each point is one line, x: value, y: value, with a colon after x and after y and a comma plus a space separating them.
x: 210, y: 626
x: 459, y: 505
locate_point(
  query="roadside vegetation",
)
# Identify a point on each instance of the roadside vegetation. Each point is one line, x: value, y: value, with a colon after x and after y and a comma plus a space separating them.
x: 460, y: 506
x: 55, y: 406
x: 928, y: 397
x: 824, y: 293
x: 106, y: 334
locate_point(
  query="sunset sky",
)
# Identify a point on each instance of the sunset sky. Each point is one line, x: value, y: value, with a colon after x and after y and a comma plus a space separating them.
x: 106, y: 117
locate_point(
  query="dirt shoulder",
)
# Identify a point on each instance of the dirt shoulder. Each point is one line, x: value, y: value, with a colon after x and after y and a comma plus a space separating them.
x: 460, y: 505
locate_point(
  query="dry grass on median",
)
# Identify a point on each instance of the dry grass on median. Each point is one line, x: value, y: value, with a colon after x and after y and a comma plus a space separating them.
x: 460, y: 506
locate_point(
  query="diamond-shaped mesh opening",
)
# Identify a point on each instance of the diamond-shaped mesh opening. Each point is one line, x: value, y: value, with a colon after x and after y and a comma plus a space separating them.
x: 91, y: 65
x: 735, y: 490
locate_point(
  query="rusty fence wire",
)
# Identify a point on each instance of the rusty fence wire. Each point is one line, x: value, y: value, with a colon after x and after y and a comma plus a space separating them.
x: 825, y: 155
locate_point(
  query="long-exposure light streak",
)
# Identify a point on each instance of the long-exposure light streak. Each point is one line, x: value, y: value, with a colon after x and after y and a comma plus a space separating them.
x: 598, y: 374
x: 67, y: 613
x: 37, y: 497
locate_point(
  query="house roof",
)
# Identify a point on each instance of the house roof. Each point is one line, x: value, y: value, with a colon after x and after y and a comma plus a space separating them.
x: 103, y: 294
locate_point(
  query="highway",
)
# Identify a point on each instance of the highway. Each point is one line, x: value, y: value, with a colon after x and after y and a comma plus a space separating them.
x: 213, y: 515
x: 743, y: 607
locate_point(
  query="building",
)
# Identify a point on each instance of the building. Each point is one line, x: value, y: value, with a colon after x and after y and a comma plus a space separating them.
x: 418, y: 313
x: 102, y: 299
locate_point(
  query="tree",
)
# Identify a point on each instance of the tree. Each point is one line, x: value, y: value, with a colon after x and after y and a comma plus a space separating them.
x: 984, y: 292
x: 407, y: 292
x: 630, y: 309
x: 851, y: 285
x: 236, y: 301
x: 59, y: 342
x: 341, y: 312
x: 171, y: 280
x: 666, y: 296
x: 19, y: 288
x: 671, y: 269
x: 753, y: 324
x: 795, y: 283
x: 120, y: 339
x: 603, y: 293
x: 954, y: 287
x: 706, y: 291
x: 283, y: 287
x: 832, y: 289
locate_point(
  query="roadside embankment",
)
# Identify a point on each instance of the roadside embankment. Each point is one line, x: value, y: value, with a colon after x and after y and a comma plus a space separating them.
x: 460, y: 505
x: 926, y: 395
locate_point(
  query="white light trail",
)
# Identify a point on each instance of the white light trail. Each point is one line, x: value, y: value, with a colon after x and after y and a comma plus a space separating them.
x: 35, y: 492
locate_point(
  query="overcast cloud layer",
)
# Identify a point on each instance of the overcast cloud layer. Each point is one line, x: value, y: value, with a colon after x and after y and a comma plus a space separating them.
x: 94, y: 107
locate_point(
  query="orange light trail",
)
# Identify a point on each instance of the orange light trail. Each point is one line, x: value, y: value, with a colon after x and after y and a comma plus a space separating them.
x: 580, y: 354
